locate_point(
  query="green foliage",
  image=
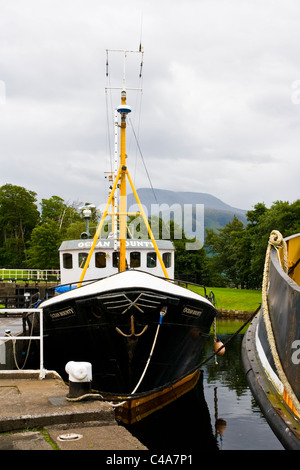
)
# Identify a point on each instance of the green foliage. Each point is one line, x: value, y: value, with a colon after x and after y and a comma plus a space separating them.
x: 18, y: 216
x: 227, y: 248
x: 59, y: 221
x: 237, y: 253
x: 44, y: 244
x: 282, y: 216
x: 232, y: 256
x: 29, y: 238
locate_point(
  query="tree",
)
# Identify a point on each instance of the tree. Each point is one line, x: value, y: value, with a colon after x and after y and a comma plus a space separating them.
x: 54, y: 209
x: 44, y: 244
x: 282, y: 216
x: 226, y: 253
x: 61, y: 212
x: 18, y: 216
x: 190, y: 265
x: 56, y: 219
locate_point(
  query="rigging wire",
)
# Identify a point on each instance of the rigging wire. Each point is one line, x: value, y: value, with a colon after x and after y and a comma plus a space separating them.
x: 138, y: 131
x: 139, y: 148
x: 108, y: 131
x: 109, y: 114
x: 130, y: 121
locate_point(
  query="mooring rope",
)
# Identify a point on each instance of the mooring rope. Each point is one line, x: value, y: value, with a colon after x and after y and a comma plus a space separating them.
x: 276, y: 240
x: 109, y: 396
x: 162, y: 313
x: 9, y: 335
x: 132, y: 395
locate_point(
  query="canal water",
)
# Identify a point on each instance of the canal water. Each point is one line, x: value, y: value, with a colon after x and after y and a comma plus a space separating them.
x: 219, y: 414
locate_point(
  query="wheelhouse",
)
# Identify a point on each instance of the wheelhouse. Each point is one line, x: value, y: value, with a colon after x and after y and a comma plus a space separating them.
x: 140, y: 255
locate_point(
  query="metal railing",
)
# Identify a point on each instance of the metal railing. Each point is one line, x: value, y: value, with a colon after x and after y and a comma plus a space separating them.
x: 29, y: 338
x: 30, y: 274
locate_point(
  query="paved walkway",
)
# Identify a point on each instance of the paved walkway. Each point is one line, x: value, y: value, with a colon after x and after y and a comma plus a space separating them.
x: 28, y: 403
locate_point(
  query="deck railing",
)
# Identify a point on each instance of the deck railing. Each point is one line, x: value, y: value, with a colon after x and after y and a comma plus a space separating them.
x: 30, y: 274
x: 28, y: 338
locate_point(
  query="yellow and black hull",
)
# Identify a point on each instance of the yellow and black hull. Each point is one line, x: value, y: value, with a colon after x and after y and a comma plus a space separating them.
x: 271, y: 347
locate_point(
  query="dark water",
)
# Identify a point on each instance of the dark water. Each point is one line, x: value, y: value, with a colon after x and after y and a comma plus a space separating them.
x: 219, y: 414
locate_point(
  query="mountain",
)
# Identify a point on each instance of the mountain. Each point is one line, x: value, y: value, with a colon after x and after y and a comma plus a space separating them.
x: 165, y: 203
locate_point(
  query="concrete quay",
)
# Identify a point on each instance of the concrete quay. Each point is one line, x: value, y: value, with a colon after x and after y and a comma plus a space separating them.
x: 36, y: 415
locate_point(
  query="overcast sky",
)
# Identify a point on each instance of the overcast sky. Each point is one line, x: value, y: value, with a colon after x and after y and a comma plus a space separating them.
x: 219, y: 113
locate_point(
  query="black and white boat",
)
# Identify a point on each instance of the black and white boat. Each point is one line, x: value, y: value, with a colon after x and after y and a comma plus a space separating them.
x: 271, y: 345
x: 142, y: 333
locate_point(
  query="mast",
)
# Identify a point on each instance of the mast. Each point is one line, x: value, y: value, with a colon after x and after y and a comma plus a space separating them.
x: 120, y: 181
x: 123, y: 110
x: 113, y: 176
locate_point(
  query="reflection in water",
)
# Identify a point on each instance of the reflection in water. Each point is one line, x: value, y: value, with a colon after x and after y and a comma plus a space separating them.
x: 219, y: 414
x: 220, y: 423
x: 182, y: 426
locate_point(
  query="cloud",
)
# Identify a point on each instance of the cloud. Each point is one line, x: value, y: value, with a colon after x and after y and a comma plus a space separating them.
x: 217, y: 114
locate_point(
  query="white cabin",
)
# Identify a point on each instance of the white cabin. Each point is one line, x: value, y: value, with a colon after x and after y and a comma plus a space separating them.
x: 140, y: 255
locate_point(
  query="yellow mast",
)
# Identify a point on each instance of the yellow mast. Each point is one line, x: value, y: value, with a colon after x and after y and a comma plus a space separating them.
x: 120, y: 179
x: 123, y: 110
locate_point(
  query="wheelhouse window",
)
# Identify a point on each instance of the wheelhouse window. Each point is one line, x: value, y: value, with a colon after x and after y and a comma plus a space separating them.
x: 151, y: 260
x: 135, y: 259
x: 82, y: 257
x: 100, y: 259
x: 67, y: 261
x: 167, y: 259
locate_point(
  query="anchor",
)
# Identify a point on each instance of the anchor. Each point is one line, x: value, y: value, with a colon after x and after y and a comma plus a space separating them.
x: 132, y: 340
x: 132, y: 334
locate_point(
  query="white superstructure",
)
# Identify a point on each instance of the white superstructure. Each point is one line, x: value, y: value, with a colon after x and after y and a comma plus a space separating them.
x: 140, y: 255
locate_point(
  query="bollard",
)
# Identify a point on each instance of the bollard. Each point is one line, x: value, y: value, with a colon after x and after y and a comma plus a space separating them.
x: 80, y: 378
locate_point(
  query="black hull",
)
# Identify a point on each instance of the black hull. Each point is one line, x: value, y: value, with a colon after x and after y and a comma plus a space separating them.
x: 115, y: 333
x: 269, y: 390
x: 280, y: 418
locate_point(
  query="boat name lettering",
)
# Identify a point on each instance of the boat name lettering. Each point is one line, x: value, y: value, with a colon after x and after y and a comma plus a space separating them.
x: 67, y: 312
x: 137, y: 243
x: 88, y: 244
x: 107, y: 244
x: 192, y: 311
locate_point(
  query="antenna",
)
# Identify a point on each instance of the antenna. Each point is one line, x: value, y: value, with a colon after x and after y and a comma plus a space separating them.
x: 120, y: 183
x: 125, y: 54
x: 140, y: 48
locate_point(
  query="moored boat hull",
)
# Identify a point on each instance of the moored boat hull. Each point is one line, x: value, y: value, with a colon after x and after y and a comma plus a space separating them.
x: 271, y: 348
x: 141, y: 334
x: 278, y: 414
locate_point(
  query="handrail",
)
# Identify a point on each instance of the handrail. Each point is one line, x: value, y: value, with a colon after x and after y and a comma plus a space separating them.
x: 40, y: 337
x: 30, y: 274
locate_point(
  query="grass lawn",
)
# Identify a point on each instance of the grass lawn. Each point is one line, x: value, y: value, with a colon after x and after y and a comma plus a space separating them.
x: 233, y: 299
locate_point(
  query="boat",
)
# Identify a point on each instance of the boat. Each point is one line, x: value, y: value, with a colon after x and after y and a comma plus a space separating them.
x: 271, y: 345
x: 122, y: 312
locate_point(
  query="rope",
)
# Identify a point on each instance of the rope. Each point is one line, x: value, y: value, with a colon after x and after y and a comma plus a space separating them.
x: 98, y: 395
x: 162, y: 313
x: 9, y: 335
x: 276, y: 240
x: 228, y: 341
x: 215, y: 336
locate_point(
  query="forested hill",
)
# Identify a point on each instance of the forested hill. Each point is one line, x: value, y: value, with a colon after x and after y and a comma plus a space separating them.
x: 216, y: 212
